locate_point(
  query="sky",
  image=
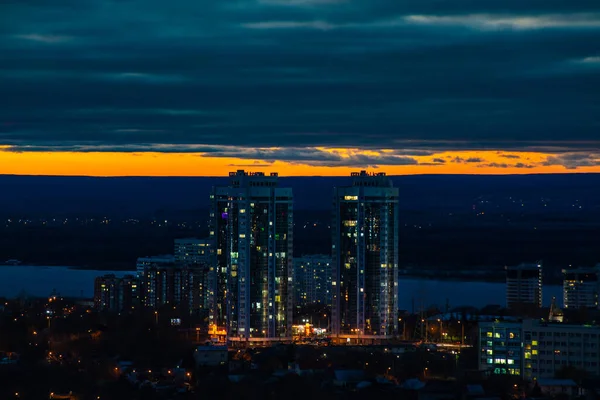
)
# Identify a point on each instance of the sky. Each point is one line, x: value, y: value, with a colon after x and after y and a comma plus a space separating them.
x: 301, y: 87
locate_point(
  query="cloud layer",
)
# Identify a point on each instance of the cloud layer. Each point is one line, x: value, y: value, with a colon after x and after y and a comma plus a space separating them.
x: 220, y: 77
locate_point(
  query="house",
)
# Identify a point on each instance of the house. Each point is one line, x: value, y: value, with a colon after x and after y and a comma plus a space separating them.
x: 210, y: 356
x: 552, y: 387
x: 476, y: 392
x: 348, y: 377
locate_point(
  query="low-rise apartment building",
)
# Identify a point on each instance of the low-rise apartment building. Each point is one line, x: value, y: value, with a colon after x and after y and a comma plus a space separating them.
x: 537, y: 349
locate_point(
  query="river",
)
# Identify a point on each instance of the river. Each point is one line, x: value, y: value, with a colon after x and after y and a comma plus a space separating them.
x: 41, y: 281
x: 428, y: 292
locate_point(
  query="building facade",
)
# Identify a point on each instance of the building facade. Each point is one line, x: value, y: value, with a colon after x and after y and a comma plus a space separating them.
x: 536, y: 349
x: 252, y: 281
x: 580, y: 288
x: 196, y: 255
x: 524, y: 285
x: 163, y: 282
x: 312, y: 280
x: 365, y: 257
x: 500, y: 349
x: 116, y: 294
x: 193, y: 251
x: 548, y: 347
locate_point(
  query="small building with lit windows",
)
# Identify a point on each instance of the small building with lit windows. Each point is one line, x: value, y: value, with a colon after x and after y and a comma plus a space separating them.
x: 500, y: 347
x: 538, y: 349
x: 210, y: 356
x: 549, y: 347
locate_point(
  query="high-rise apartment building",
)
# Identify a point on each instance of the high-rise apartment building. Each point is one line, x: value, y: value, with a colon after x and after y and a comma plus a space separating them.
x: 312, y: 280
x: 163, y: 282
x: 196, y: 255
x: 251, y: 285
x: 524, y: 285
x: 365, y: 257
x: 193, y: 251
x: 580, y: 288
x: 116, y: 294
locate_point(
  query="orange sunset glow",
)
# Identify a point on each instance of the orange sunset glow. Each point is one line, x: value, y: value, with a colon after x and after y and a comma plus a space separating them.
x: 199, y: 164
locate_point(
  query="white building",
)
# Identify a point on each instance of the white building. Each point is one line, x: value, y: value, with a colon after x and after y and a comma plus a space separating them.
x: 500, y: 345
x: 163, y: 282
x: 549, y: 347
x: 193, y: 251
x: 524, y: 285
x: 536, y: 349
x: 252, y: 284
x: 365, y: 257
x: 312, y: 279
x: 580, y: 288
x: 197, y: 256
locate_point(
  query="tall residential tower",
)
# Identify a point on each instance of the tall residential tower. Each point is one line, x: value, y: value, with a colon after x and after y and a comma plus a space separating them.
x: 251, y: 285
x: 365, y: 257
x: 580, y: 288
x: 524, y: 285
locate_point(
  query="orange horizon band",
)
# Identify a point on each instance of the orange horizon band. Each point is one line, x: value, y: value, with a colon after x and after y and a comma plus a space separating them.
x: 196, y: 164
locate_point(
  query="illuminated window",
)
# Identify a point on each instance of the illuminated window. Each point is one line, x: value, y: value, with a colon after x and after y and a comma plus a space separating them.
x: 534, y: 352
x: 350, y: 197
x: 534, y: 342
x: 511, y: 361
x: 242, y: 211
x: 527, y: 355
x: 490, y: 361
x: 511, y: 335
x: 490, y: 352
x: 242, y: 235
x: 489, y: 334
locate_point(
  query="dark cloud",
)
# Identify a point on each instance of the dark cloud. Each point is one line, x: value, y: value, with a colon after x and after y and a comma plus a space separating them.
x: 439, y: 160
x: 522, y: 165
x: 459, y: 160
x: 574, y: 160
x: 495, y: 165
x: 316, y: 157
x: 413, y: 77
x: 512, y: 156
